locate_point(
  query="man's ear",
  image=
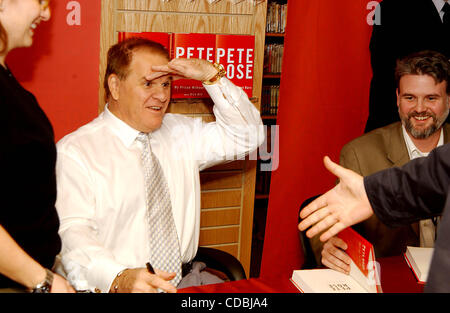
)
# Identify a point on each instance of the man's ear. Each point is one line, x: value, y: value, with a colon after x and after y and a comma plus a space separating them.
x: 398, y: 99
x: 114, y: 86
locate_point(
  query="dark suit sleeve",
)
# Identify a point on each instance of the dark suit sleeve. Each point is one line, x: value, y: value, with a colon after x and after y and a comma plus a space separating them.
x: 415, y: 191
x: 383, y: 55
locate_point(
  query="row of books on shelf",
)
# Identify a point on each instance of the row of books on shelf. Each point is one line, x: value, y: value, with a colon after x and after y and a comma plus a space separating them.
x: 270, y: 99
x: 276, y: 17
x: 273, y: 57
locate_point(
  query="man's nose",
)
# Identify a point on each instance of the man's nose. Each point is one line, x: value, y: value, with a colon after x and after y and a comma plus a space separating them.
x: 160, y: 93
x: 421, y: 105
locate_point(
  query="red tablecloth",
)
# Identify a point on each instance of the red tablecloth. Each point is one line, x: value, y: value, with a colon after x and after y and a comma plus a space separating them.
x: 252, y: 285
x: 395, y: 275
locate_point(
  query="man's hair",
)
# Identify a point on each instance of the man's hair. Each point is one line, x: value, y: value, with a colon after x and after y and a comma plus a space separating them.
x: 120, y: 56
x: 427, y: 62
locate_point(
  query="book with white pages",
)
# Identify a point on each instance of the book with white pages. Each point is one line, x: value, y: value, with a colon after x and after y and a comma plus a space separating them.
x: 363, y: 277
x: 419, y: 260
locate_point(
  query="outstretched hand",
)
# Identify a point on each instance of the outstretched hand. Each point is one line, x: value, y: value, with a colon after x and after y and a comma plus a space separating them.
x: 197, y: 69
x: 344, y: 205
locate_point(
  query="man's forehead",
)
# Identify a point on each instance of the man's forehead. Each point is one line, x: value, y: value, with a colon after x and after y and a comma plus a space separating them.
x: 141, y: 63
x: 421, y: 79
x: 148, y: 56
x: 162, y: 79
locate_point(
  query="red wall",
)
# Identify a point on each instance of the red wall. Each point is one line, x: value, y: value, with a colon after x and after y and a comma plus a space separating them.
x: 324, y: 96
x: 61, y: 68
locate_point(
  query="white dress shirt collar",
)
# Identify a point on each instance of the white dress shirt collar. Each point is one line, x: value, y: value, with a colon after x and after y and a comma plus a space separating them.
x: 413, y: 151
x: 125, y: 132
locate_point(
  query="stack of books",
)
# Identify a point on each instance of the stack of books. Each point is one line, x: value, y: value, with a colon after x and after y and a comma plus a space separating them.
x: 276, y: 17
x: 419, y: 260
x: 363, y: 277
x: 270, y: 99
x: 273, y: 58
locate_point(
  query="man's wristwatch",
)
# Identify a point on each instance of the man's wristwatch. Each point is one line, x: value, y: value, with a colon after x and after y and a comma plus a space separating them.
x: 220, y: 73
x: 46, y: 285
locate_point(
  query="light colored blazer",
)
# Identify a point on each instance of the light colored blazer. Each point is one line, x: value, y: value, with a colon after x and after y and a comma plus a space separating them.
x: 377, y: 150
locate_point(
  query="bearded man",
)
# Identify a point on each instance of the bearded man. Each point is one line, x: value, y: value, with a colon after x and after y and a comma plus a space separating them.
x: 423, y: 93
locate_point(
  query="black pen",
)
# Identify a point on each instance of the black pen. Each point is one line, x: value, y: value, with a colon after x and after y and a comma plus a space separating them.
x: 150, y: 268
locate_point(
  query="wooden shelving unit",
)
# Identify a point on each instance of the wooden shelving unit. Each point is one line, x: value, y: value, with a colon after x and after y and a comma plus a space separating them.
x: 274, y: 34
x: 263, y: 178
x: 270, y: 75
x: 262, y: 196
x: 268, y: 117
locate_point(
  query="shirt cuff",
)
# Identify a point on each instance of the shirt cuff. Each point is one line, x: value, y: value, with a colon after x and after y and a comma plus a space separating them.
x: 102, y: 273
x: 224, y: 92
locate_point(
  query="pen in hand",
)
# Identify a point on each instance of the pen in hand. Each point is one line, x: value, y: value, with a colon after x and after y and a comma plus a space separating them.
x: 150, y: 268
x: 152, y: 271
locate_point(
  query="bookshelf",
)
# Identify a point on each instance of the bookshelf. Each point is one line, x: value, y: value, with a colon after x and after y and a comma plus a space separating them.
x: 274, y: 34
x: 273, y: 52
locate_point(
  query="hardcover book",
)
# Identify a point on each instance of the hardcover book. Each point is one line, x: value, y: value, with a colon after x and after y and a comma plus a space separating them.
x: 419, y: 259
x: 363, y: 277
x: 200, y: 46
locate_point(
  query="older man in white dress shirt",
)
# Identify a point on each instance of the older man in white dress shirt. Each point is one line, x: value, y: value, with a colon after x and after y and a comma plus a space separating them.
x: 101, y: 195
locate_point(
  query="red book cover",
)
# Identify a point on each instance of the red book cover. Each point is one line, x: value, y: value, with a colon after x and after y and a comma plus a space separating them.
x: 237, y: 53
x: 200, y: 46
x: 234, y: 52
x: 358, y: 248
